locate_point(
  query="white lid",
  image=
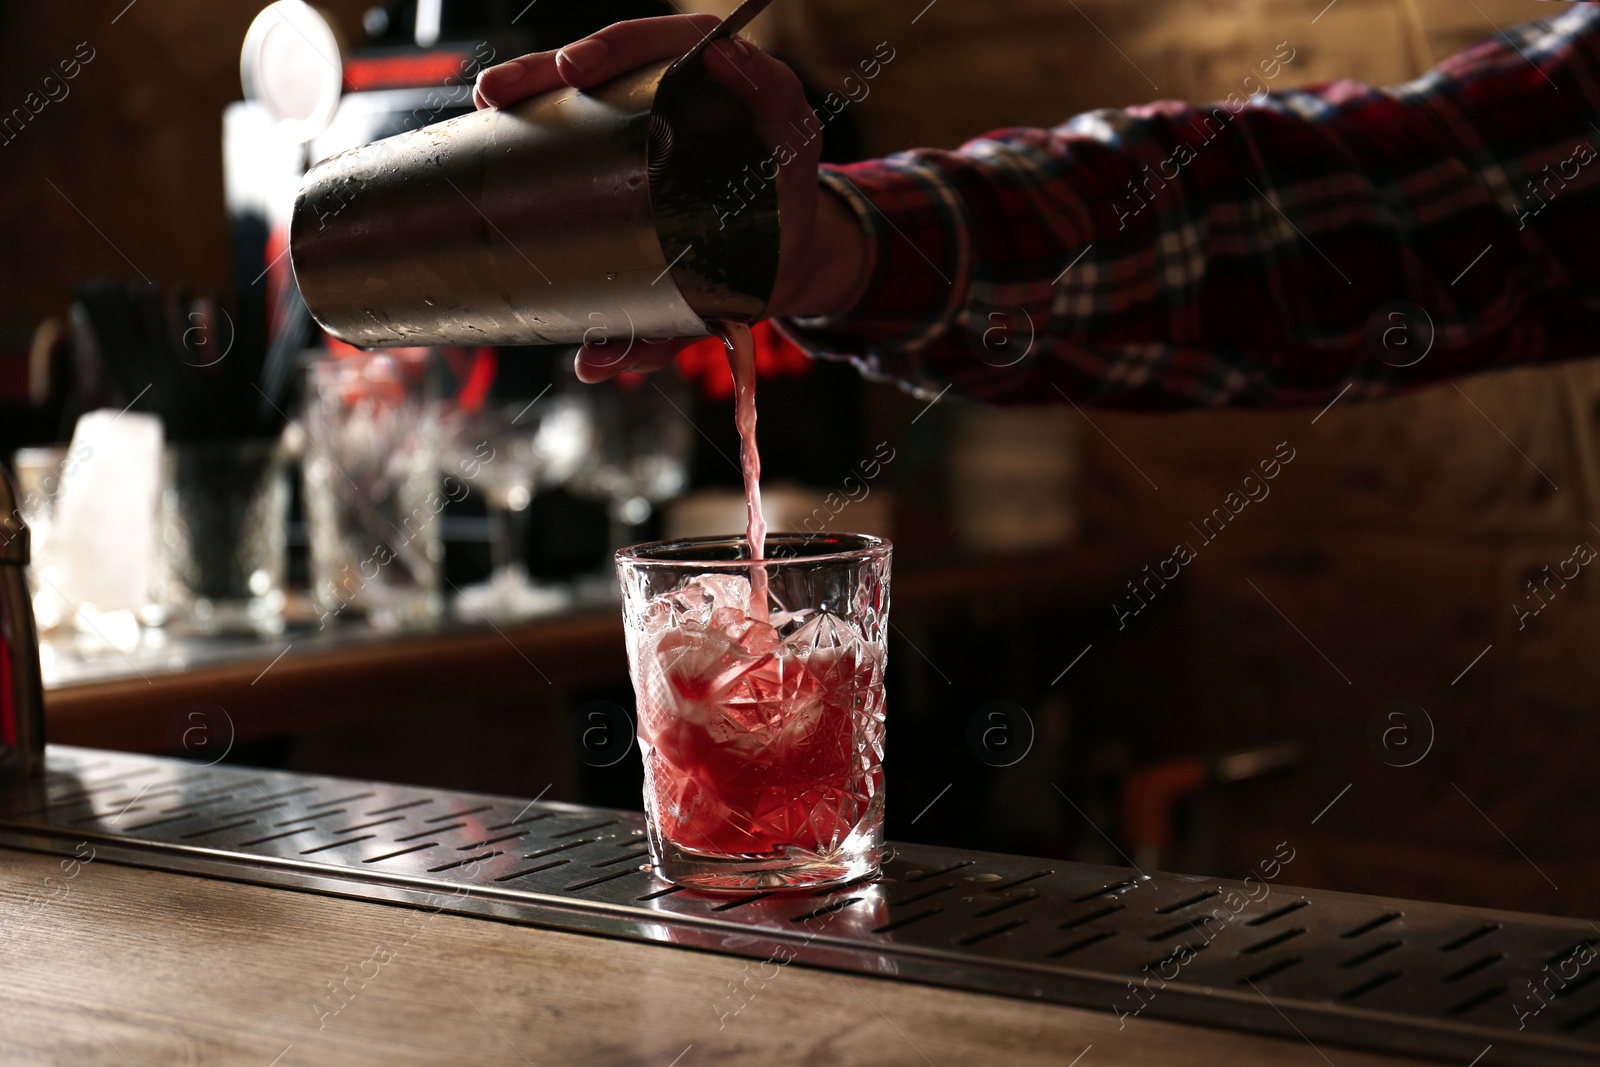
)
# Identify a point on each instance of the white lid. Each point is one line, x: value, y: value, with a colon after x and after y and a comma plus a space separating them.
x: 292, y: 64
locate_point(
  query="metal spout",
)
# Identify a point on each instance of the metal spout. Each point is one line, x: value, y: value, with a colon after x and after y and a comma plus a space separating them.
x: 21, y: 693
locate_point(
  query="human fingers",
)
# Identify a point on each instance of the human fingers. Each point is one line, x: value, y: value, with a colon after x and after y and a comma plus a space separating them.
x: 596, y: 362
x: 597, y: 58
x: 769, y: 90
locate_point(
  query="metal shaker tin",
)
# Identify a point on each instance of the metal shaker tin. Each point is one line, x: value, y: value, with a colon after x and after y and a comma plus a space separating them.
x: 638, y: 209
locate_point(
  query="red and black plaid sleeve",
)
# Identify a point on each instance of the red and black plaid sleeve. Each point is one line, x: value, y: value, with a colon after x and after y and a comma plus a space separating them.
x: 1263, y: 252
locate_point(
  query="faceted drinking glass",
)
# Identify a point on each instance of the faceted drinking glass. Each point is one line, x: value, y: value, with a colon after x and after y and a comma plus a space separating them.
x: 641, y: 450
x: 373, y: 490
x: 761, y: 724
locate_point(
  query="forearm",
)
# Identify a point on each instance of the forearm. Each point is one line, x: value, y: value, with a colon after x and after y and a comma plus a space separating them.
x: 1176, y: 256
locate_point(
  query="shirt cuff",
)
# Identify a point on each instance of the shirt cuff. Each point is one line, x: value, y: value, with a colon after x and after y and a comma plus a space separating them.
x: 916, y: 275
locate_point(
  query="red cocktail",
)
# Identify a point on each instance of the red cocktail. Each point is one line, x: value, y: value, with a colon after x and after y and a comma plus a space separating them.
x: 761, y: 725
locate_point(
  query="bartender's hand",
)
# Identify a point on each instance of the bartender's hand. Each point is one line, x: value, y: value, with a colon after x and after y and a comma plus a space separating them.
x: 824, y: 249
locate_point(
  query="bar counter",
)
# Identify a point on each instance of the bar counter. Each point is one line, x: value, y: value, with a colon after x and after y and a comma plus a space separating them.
x: 143, y: 967
x: 159, y: 911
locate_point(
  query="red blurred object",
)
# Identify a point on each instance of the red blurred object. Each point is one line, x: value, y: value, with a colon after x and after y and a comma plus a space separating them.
x: 480, y: 366
x: 1149, y: 796
x: 1152, y: 795
x: 474, y: 368
x: 706, y: 362
x: 405, y: 71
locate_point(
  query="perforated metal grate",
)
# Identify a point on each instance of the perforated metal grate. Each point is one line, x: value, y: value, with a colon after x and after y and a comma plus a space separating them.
x: 1424, y: 979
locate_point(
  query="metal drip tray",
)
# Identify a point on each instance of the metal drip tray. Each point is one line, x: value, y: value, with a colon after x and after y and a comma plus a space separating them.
x: 1406, y: 977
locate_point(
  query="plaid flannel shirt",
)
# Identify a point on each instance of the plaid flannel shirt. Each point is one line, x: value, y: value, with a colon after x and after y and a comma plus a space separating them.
x: 1267, y: 252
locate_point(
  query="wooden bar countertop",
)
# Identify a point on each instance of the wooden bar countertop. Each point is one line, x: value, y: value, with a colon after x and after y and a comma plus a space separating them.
x: 128, y: 968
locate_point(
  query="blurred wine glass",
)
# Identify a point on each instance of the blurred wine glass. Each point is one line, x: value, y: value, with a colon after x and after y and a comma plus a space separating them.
x: 508, y: 452
x: 642, y: 438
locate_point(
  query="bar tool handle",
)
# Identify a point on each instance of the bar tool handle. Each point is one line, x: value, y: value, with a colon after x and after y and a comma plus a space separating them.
x: 741, y: 17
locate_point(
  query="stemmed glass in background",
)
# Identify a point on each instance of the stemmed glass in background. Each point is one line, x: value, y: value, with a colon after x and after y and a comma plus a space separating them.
x: 508, y: 452
x: 642, y: 438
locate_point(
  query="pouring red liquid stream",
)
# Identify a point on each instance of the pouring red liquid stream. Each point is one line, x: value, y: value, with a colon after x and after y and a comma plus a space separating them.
x: 742, y: 360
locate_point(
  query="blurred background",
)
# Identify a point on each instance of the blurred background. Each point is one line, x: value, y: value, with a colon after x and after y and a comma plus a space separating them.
x: 1344, y: 667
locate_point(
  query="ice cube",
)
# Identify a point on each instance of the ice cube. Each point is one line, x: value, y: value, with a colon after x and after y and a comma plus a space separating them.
x: 698, y: 666
x: 693, y: 603
x: 701, y: 595
x: 739, y: 727
x: 755, y: 637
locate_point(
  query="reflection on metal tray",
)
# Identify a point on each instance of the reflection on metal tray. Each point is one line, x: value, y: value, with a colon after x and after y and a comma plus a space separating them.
x: 1421, y: 979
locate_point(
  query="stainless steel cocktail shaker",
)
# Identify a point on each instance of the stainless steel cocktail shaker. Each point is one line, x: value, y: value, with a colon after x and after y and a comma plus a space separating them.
x: 635, y: 210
